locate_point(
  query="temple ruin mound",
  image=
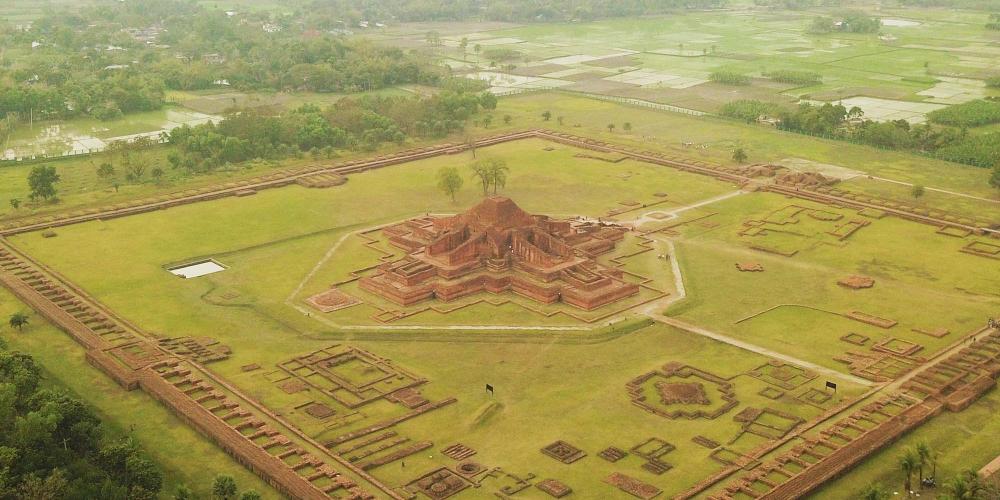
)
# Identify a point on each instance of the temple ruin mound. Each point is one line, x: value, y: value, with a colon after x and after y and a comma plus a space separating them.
x: 497, y: 247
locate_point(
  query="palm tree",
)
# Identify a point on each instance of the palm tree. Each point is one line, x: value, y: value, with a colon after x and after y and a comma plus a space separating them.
x: 875, y: 492
x: 968, y: 485
x: 924, y: 457
x: 907, y: 463
x: 935, y: 454
x: 18, y: 320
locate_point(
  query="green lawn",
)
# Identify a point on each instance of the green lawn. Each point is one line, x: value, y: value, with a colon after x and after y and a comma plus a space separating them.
x: 550, y: 385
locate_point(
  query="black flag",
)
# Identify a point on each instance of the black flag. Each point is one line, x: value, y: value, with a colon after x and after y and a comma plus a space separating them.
x: 489, y: 388
x: 831, y: 385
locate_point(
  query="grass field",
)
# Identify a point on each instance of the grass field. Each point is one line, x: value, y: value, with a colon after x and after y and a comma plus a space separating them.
x: 539, y: 375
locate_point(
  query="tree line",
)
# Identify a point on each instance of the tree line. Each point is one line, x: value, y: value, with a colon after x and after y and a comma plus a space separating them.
x: 500, y: 10
x: 54, y: 446
x: 837, y: 122
x: 361, y: 124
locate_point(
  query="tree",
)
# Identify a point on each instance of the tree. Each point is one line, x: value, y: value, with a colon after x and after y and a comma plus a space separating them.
x: 546, y: 115
x: 917, y: 191
x: 42, y: 181
x: 875, y: 492
x: 507, y: 119
x: 498, y: 174
x: 50, y: 488
x: 923, y: 449
x: 995, y: 176
x: 106, y: 171
x: 183, y: 493
x: 15, y: 203
x: 487, y: 120
x: 490, y: 172
x: 739, y: 155
x: 157, y: 174
x: 464, y: 44
x: 450, y: 181
x: 250, y: 495
x: 611, y: 127
x: 907, y: 463
x: 18, y: 320
x: 965, y: 486
x: 560, y: 120
x: 224, y: 487
x: 627, y: 127
x: 481, y: 171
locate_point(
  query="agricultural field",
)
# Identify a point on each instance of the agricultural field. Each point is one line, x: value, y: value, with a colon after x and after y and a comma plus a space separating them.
x: 763, y: 321
x: 921, y: 60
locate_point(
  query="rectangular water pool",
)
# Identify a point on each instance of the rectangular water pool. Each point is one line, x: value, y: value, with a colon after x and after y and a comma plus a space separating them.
x: 197, y: 269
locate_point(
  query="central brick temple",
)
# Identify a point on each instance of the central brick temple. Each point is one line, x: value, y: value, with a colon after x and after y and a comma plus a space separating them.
x: 498, y: 247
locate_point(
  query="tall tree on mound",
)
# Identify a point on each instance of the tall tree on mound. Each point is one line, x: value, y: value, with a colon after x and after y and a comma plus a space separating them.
x: 450, y: 181
x: 18, y: 320
x: 498, y: 174
x: 491, y: 172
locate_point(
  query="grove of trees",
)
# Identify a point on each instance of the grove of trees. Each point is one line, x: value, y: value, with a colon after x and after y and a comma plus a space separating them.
x: 54, y: 446
x: 351, y: 123
x: 837, y: 122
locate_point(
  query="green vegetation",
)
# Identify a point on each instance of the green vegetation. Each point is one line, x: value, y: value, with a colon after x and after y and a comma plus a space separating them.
x: 358, y: 124
x: 121, y: 58
x: 852, y: 21
x: 795, y: 77
x: 994, y: 23
x: 54, y: 446
x: 532, y: 11
x: 748, y: 110
x: 450, y: 181
x: 969, y: 114
x: 837, y: 122
x: 18, y: 320
x: 42, y: 180
x: 729, y: 78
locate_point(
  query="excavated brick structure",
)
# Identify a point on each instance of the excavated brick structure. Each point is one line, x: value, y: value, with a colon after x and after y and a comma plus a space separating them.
x: 498, y: 247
